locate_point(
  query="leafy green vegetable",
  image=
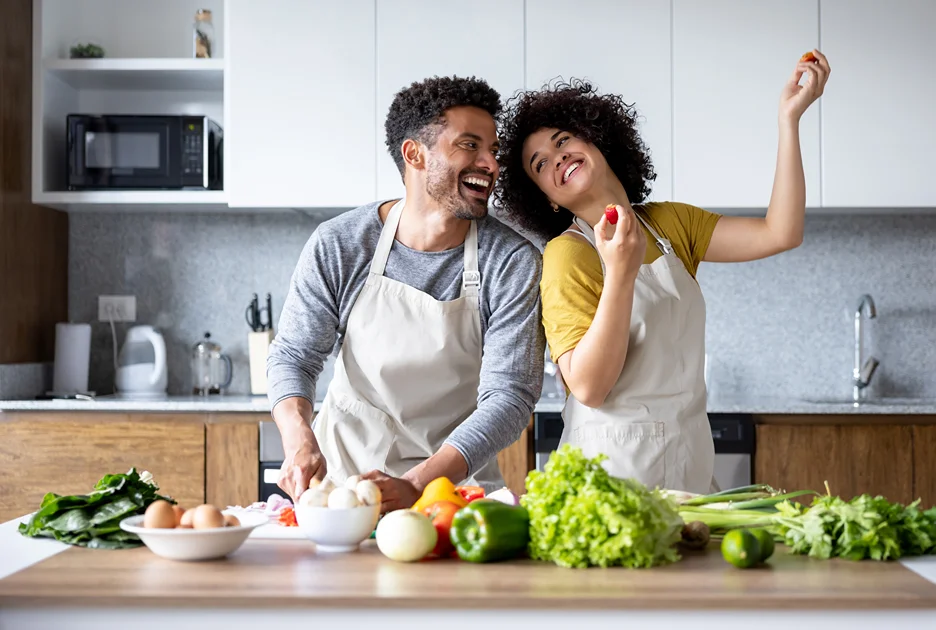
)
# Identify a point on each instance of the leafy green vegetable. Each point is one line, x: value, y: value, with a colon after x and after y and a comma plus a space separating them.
x: 581, y: 516
x: 864, y: 527
x: 93, y: 520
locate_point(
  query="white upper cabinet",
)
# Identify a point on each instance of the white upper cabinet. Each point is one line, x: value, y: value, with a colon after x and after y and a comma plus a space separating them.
x: 418, y: 39
x: 620, y: 47
x: 731, y: 59
x: 878, y: 121
x: 299, y: 97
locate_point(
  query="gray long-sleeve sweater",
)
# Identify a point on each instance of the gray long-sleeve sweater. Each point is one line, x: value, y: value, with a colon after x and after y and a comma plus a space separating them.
x: 331, y: 272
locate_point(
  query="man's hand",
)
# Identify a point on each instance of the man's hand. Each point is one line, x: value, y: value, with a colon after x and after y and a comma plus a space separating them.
x: 397, y: 494
x: 304, y: 461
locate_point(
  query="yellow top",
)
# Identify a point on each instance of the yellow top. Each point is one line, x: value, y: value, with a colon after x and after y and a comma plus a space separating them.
x: 572, y: 280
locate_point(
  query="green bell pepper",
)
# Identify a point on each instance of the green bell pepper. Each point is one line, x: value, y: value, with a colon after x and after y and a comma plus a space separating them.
x: 487, y: 531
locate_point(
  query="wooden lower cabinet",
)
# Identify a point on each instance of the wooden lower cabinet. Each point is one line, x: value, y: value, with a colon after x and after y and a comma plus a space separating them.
x: 67, y: 453
x: 195, y: 458
x: 853, y: 458
x: 924, y: 464
x: 517, y: 460
x: 232, y: 469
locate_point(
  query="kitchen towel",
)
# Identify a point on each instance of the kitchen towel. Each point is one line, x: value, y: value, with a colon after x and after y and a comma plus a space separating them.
x: 72, y: 358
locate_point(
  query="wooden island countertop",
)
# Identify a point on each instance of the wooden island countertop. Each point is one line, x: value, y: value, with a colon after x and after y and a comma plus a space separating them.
x: 289, y: 574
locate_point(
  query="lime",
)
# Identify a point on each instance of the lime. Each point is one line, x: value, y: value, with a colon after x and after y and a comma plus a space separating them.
x: 766, y: 543
x: 741, y: 548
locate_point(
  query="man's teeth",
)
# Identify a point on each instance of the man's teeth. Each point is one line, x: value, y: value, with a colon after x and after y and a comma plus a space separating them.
x: 570, y: 170
x: 477, y: 181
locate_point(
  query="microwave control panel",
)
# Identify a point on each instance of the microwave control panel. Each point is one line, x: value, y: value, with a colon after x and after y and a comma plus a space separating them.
x: 193, y: 149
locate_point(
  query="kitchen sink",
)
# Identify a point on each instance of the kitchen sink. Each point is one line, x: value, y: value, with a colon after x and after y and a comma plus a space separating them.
x: 885, y: 401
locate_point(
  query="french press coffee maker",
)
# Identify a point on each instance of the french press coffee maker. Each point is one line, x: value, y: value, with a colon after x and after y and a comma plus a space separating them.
x: 211, y: 369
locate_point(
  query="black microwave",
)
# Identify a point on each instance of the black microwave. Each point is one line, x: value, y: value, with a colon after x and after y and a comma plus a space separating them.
x: 144, y: 152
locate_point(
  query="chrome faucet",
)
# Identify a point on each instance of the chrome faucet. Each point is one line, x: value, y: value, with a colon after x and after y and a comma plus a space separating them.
x: 863, y: 370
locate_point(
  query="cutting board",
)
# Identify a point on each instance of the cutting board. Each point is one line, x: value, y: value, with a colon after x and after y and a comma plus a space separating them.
x: 272, y: 530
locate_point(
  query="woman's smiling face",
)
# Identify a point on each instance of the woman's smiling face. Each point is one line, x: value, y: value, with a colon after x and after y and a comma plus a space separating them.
x: 563, y: 166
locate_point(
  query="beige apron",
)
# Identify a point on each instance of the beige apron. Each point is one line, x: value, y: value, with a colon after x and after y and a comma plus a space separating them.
x: 653, y: 425
x: 407, y: 372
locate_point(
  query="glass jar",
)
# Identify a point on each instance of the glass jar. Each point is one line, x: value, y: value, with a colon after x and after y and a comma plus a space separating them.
x: 203, y: 35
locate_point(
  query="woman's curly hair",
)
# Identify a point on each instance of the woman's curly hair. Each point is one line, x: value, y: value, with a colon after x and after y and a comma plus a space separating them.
x: 604, y: 120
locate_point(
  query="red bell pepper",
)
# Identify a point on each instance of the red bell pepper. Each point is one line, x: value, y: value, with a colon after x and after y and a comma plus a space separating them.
x: 470, y: 493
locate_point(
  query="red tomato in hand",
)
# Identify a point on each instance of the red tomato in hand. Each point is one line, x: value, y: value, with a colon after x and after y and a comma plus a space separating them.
x: 441, y: 514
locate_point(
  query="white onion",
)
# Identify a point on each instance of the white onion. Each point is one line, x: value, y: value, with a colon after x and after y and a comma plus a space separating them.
x: 406, y: 536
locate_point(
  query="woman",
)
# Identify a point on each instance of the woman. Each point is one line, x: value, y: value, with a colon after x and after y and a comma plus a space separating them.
x: 639, y: 398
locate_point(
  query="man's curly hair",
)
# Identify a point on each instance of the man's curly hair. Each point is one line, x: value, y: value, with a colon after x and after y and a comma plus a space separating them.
x: 417, y: 111
x: 604, y: 120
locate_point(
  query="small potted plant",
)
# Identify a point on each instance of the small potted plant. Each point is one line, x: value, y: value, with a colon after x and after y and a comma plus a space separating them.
x: 89, y: 50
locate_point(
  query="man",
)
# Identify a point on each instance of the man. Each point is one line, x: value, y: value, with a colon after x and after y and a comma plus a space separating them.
x: 435, y: 308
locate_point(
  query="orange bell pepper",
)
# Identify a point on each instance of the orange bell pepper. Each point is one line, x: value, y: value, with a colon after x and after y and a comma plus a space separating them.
x: 441, y: 489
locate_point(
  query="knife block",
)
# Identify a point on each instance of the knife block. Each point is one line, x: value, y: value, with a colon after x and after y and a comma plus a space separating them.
x: 258, y: 346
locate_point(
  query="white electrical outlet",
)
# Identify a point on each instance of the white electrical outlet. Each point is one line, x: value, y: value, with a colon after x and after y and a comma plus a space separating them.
x: 120, y: 308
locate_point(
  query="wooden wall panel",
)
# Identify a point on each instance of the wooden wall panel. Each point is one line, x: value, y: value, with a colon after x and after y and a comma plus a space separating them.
x: 33, y: 239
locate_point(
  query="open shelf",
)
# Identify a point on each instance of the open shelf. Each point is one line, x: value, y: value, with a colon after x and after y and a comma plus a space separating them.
x: 95, y: 198
x: 139, y: 74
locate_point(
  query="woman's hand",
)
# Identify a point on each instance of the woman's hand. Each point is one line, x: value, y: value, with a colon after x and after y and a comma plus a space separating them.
x: 795, y: 98
x: 623, y: 252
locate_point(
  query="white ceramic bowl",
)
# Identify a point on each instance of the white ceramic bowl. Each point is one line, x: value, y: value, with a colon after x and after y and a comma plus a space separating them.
x: 194, y: 544
x: 337, y: 529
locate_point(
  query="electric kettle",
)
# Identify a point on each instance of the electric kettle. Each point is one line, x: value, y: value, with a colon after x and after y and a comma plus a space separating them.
x: 208, y: 365
x: 141, y: 366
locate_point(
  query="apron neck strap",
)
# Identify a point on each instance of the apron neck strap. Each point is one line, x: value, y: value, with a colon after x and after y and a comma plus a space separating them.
x: 471, y: 278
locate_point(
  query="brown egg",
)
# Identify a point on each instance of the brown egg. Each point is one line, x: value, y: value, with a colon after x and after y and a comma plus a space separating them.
x: 159, y: 515
x: 231, y: 521
x: 179, y: 511
x: 186, y: 520
x: 207, y: 517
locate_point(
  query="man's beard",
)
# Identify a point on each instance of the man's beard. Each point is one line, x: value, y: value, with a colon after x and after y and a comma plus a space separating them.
x: 443, y: 185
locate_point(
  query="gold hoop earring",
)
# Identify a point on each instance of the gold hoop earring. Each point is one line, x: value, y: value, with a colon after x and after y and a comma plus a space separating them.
x: 555, y: 208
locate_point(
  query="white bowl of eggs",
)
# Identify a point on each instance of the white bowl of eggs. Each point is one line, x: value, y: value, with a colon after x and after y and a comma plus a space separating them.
x: 199, y: 533
x: 338, y: 518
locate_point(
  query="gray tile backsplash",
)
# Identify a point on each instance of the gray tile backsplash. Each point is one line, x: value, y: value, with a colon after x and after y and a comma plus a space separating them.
x: 24, y: 380
x: 786, y: 325
x: 190, y: 273
x: 781, y: 326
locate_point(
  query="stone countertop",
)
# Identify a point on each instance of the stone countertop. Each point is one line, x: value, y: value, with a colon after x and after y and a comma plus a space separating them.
x: 232, y: 403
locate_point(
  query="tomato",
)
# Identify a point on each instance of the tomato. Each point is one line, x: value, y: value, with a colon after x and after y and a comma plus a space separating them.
x: 441, y: 514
